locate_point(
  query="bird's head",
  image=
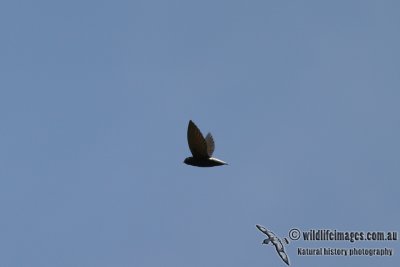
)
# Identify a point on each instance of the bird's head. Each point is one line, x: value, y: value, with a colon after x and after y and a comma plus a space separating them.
x: 266, y: 241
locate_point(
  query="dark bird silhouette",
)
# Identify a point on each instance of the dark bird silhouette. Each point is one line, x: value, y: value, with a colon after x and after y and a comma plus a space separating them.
x: 275, y: 241
x: 201, y: 148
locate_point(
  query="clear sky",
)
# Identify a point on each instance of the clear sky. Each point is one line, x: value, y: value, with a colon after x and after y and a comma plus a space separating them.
x: 302, y: 98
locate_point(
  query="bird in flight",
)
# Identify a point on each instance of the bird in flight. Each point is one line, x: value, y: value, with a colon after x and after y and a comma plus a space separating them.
x: 201, y: 148
x: 275, y: 241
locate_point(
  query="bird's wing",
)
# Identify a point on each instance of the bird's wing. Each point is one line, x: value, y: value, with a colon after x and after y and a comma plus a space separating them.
x: 278, y: 244
x: 265, y: 231
x: 197, y: 143
x: 281, y: 250
x: 284, y: 257
x: 210, y: 144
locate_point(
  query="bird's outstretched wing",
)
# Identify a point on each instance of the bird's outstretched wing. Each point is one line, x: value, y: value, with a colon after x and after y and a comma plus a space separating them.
x: 265, y: 231
x: 210, y: 144
x: 284, y: 257
x: 197, y: 143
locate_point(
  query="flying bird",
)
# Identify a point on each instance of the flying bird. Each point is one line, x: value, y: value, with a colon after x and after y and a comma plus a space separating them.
x: 201, y: 148
x: 275, y: 241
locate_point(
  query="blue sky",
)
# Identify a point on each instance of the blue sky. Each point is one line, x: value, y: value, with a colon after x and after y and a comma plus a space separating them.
x: 302, y: 99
